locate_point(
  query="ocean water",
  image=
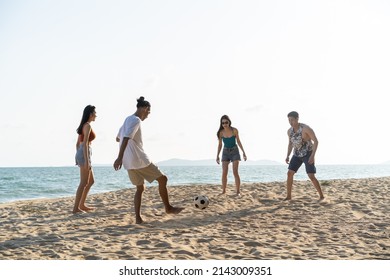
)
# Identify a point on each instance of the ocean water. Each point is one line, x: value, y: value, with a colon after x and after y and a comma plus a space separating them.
x: 54, y: 182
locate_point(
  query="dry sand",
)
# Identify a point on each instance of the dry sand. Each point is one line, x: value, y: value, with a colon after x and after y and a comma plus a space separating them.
x: 353, y: 222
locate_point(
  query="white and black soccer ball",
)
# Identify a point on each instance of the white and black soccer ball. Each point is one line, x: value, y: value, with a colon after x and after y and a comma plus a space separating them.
x: 201, y: 202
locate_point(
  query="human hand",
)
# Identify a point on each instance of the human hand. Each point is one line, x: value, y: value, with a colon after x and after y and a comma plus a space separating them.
x: 287, y: 160
x: 217, y: 160
x: 118, y: 164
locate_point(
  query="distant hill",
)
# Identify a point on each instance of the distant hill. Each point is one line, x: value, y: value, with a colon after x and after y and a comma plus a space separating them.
x: 208, y: 162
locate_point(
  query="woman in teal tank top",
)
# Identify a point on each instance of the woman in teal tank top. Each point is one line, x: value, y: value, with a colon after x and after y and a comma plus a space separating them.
x: 229, y: 139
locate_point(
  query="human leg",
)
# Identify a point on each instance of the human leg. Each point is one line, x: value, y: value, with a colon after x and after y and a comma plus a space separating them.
x: 311, y: 171
x: 137, y: 203
x: 84, y: 175
x: 151, y: 173
x: 290, y: 180
x: 162, y: 188
x: 225, y: 169
x: 294, y: 165
x: 316, y: 184
x: 90, y: 182
x: 163, y: 191
x: 137, y: 180
x: 237, y: 178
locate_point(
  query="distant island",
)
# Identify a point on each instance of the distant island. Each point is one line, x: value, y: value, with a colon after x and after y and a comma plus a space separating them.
x: 208, y: 162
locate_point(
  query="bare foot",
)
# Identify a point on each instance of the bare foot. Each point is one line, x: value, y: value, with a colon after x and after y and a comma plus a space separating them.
x: 139, y: 220
x: 287, y: 198
x: 87, y: 209
x: 78, y: 211
x: 174, y: 210
x: 238, y: 195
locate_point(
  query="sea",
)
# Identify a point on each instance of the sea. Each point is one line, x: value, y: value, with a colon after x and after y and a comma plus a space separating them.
x: 26, y: 183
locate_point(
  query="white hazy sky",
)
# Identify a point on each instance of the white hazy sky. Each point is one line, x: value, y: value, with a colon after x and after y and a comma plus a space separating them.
x: 194, y: 61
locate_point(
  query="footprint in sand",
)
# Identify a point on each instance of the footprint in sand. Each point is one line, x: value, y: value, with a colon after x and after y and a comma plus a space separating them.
x: 358, y: 215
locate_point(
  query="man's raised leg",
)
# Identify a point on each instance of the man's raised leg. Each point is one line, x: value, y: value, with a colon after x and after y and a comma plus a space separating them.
x: 162, y: 188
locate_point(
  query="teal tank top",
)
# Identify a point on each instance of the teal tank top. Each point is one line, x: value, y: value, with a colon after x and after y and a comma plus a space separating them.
x: 229, y: 142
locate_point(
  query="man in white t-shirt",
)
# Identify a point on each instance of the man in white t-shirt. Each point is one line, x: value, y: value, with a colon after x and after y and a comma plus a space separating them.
x: 137, y: 163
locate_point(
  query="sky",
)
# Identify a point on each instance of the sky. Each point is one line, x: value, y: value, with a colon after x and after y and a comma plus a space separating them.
x: 194, y: 61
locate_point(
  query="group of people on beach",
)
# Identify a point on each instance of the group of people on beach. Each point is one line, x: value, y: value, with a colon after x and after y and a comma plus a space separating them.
x: 301, y: 140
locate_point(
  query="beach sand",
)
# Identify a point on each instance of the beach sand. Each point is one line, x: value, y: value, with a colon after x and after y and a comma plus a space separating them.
x: 353, y: 222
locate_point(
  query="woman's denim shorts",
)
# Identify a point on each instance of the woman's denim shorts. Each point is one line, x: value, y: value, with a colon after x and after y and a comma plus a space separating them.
x: 80, y: 160
x: 231, y: 154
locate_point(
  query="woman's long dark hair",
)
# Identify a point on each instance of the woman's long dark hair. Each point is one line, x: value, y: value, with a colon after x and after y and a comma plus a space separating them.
x: 224, y: 117
x: 86, y: 114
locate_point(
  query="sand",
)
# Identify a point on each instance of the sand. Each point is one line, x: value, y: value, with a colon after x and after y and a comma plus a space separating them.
x: 352, y: 223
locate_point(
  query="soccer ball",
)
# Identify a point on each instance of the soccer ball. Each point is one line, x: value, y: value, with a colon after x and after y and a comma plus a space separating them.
x: 201, y: 201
